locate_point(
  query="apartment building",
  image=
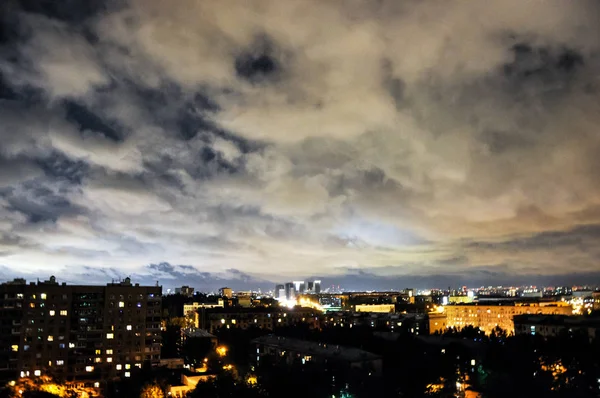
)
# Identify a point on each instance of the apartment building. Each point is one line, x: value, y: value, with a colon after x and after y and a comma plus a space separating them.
x: 76, y: 332
x: 488, y: 317
x: 263, y: 318
x: 555, y: 325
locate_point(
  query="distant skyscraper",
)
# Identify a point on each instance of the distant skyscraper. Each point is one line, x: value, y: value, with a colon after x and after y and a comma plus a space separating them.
x: 299, y: 286
x: 290, y: 291
x: 317, y: 286
x: 310, y: 287
x: 279, y: 292
x: 226, y: 292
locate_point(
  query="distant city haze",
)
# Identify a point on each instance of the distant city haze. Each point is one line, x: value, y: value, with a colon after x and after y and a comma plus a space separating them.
x: 370, y: 145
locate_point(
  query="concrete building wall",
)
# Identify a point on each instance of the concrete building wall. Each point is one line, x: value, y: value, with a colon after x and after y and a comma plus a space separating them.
x: 384, y: 308
x: 487, y: 317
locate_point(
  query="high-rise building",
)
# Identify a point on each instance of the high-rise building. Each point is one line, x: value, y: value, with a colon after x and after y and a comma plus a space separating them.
x: 76, y: 332
x: 290, y: 291
x: 317, y: 286
x: 299, y: 286
x: 226, y: 292
x: 279, y: 291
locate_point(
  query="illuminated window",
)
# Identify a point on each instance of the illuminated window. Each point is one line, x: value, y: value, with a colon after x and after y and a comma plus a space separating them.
x: 89, y: 368
x: 14, y: 347
x: 109, y: 359
x: 233, y: 321
x: 62, y: 345
x: 222, y: 320
x: 97, y: 360
x: 71, y: 345
x: 119, y: 367
x: 37, y: 373
x: 127, y: 366
x: 60, y: 362
x: 97, y: 384
x: 138, y: 365
x: 52, y: 312
x: 127, y: 374
x: 110, y: 336
x: 63, y: 312
x: 109, y: 352
x: 121, y: 304
x: 50, y: 338
x: 98, y: 352
x: 43, y: 296
x: 128, y: 327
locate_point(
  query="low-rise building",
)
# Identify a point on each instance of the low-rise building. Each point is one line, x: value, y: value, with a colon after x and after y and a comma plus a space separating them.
x: 385, y: 308
x: 554, y: 325
x: 190, y: 308
x: 171, y: 363
x: 293, y: 351
x: 263, y: 318
x: 193, y: 333
x: 393, y: 322
x: 185, y: 291
x: 188, y: 384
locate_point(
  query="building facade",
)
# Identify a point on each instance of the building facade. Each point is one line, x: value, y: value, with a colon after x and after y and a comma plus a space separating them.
x: 185, y: 291
x: 263, y: 318
x: 385, y: 308
x: 488, y: 317
x: 78, y: 332
x: 226, y: 292
x: 555, y: 325
x: 190, y: 309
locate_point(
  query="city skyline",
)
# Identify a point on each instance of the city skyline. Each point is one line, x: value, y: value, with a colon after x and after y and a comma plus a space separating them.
x: 384, y: 145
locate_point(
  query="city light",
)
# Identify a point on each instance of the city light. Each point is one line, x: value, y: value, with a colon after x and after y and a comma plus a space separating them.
x: 252, y: 380
x: 221, y: 351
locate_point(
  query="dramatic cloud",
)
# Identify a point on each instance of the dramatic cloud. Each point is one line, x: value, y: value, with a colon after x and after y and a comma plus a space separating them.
x: 243, y: 143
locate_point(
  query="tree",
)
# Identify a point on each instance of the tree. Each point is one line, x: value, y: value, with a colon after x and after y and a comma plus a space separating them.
x: 152, y: 391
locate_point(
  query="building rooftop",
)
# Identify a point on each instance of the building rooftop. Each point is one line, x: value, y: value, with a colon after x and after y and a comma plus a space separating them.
x: 251, y: 310
x: 330, y: 351
x: 200, y: 333
x: 558, y: 320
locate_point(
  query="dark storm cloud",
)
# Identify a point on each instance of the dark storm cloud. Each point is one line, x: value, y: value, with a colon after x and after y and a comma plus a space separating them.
x: 39, y: 202
x: 299, y: 138
x: 262, y: 62
x: 206, y: 281
x: 89, y: 123
x: 580, y: 238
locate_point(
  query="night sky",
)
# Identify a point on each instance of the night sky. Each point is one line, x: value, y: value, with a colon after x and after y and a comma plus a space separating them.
x: 373, y: 144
